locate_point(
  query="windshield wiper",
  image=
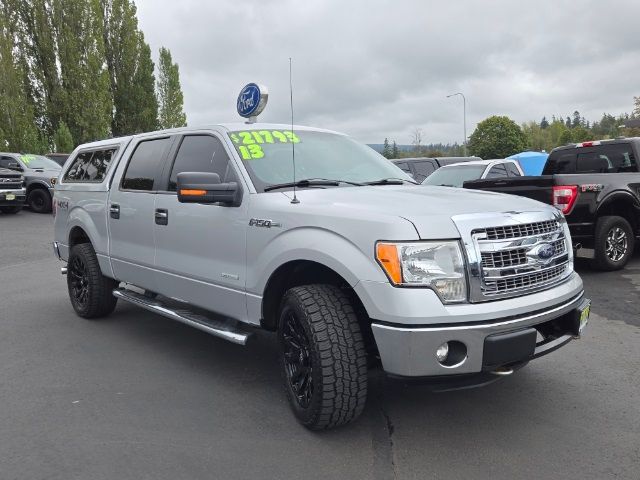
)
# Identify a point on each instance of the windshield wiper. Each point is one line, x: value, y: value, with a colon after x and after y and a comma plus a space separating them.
x: 390, y: 181
x: 311, y: 182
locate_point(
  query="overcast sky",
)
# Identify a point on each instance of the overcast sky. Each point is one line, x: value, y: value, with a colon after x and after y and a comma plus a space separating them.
x: 377, y: 69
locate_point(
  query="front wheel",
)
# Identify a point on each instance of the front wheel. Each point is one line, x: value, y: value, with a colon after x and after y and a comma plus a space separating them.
x: 614, y: 242
x: 322, y: 356
x: 39, y: 200
x: 90, y: 292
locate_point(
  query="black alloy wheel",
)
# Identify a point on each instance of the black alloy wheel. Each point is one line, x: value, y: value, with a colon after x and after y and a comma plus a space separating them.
x: 297, y: 360
x: 78, y: 282
x: 617, y: 244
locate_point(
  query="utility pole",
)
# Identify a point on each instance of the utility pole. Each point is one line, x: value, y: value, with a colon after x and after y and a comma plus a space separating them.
x: 464, y: 118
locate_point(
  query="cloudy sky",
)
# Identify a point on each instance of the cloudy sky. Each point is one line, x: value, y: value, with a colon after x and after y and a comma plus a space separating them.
x: 377, y: 69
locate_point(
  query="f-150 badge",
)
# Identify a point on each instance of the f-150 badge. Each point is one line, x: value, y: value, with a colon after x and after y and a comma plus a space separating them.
x: 592, y: 187
x: 260, y: 222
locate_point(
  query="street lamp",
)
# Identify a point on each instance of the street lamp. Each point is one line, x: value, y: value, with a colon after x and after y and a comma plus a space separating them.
x: 464, y: 117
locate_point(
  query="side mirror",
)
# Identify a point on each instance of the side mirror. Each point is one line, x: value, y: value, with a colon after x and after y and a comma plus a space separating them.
x: 202, y: 187
x: 14, y: 166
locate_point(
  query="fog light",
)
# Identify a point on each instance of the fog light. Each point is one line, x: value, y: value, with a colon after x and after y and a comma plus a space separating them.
x: 442, y: 352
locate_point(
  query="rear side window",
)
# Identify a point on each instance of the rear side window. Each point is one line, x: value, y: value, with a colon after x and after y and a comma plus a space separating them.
x: 497, y: 171
x: 145, y: 165
x: 423, y: 170
x: 561, y: 162
x: 201, y: 153
x: 512, y: 169
x: 90, y: 167
x: 617, y: 158
x: 404, y: 166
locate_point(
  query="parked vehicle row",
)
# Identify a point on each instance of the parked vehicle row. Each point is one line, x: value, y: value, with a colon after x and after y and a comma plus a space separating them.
x: 348, y: 260
x: 421, y: 167
x: 596, y: 185
x: 456, y: 174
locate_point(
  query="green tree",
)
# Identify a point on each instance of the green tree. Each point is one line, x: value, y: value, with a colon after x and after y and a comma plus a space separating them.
x: 544, y: 123
x: 170, y: 93
x: 18, y: 131
x: 62, y: 139
x: 497, y: 137
x: 386, y: 149
x: 565, y: 137
x: 131, y: 70
x: 394, y: 150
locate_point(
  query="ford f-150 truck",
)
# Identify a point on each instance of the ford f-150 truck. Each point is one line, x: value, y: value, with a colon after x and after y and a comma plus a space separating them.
x: 596, y: 185
x: 351, y: 264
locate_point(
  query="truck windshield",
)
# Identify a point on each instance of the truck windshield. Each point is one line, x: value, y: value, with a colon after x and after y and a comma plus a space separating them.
x: 39, y: 162
x: 267, y: 156
x: 454, y: 175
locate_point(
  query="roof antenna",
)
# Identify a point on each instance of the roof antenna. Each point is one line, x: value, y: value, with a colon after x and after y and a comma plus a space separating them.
x: 293, y: 145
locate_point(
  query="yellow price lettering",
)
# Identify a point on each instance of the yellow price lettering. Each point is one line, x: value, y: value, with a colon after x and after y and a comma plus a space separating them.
x: 247, y: 139
x: 292, y: 136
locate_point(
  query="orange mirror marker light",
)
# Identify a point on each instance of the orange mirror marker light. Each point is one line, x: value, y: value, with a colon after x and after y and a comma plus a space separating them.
x: 387, y: 256
x: 193, y: 193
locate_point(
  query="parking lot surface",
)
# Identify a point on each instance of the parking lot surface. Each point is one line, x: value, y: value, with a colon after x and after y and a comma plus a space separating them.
x: 137, y: 396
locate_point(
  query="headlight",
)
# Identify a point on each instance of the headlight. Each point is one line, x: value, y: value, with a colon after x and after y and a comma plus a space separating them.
x: 435, y: 264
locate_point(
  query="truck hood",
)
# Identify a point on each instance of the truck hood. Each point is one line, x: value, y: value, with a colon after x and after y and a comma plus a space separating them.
x: 429, y: 208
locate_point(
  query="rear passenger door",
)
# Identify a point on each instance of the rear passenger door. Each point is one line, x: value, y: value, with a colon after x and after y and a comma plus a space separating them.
x: 201, y: 249
x: 131, y: 209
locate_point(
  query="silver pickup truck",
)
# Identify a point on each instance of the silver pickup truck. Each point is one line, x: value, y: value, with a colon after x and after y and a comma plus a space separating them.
x: 352, y: 264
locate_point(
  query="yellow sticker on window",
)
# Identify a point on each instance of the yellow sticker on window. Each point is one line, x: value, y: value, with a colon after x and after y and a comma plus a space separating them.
x: 260, y: 137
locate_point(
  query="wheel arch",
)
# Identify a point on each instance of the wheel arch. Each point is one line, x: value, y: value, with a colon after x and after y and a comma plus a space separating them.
x: 621, y: 204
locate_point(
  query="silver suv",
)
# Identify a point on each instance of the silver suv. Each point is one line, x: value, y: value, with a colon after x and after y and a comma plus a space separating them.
x: 352, y: 265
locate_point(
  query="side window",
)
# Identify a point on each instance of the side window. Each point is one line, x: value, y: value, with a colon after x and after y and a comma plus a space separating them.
x: 201, y: 153
x: 562, y: 162
x: 145, y: 164
x: 620, y: 156
x: 90, y: 166
x: 5, y: 161
x: 404, y: 166
x: 512, y: 170
x: 497, y: 171
x: 423, y: 170
x: 593, y: 162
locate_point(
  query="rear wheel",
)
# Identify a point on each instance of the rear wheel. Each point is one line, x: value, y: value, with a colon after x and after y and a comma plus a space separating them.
x: 90, y: 292
x: 11, y: 210
x: 39, y: 200
x: 323, y: 357
x: 614, y: 242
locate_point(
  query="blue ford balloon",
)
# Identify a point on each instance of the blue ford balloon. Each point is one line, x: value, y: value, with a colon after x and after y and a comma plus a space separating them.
x: 252, y: 100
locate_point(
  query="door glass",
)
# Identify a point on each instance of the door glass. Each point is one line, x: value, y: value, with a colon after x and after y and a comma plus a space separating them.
x: 513, y: 170
x: 497, y: 171
x: 90, y: 166
x: 145, y: 164
x: 560, y: 163
x: 423, y: 170
x: 201, y: 153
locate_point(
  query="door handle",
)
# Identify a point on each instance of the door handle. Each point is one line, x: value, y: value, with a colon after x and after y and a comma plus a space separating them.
x: 162, y: 216
x: 114, y: 211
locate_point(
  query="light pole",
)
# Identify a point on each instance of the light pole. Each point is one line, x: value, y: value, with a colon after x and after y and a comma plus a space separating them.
x: 464, y: 117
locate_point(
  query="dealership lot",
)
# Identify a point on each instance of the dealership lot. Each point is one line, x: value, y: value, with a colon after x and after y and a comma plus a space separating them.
x: 138, y: 396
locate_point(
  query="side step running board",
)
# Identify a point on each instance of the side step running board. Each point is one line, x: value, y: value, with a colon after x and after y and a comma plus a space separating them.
x: 218, y: 328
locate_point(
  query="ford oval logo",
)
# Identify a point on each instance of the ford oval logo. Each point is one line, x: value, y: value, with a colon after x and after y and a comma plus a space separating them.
x: 252, y: 100
x: 546, y: 251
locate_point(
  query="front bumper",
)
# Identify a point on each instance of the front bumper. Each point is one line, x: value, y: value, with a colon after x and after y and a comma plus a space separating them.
x: 410, y: 351
x: 12, y: 198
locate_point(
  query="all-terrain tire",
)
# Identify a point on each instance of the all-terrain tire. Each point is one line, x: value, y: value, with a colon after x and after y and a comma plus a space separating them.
x: 10, y: 210
x: 39, y: 200
x: 614, y: 243
x: 336, y: 358
x: 90, y: 292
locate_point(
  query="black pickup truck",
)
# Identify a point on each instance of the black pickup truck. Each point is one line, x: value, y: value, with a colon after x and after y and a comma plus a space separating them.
x: 597, y: 187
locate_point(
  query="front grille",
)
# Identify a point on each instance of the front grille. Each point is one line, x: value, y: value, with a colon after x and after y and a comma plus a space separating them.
x: 525, y: 281
x: 515, y: 257
x: 518, y: 231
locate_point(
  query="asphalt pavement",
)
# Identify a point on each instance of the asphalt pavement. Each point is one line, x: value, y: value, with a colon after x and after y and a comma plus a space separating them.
x: 137, y: 396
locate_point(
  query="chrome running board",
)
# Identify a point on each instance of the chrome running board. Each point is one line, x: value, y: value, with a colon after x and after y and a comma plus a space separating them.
x: 219, y: 328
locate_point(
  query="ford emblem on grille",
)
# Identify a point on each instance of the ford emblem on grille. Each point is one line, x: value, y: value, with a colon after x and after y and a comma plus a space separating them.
x: 545, y: 251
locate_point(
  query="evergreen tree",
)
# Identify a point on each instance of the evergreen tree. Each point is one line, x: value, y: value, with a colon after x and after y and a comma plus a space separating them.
x: 568, y: 122
x: 131, y: 77
x: 386, y: 149
x: 544, y: 123
x: 62, y: 139
x: 394, y: 150
x: 577, y: 120
x: 18, y: 130
x: 170, y: 93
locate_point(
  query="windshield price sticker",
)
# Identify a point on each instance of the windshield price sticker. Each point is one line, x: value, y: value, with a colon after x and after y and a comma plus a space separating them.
x: 27, y: 158
x: 249, y: 143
